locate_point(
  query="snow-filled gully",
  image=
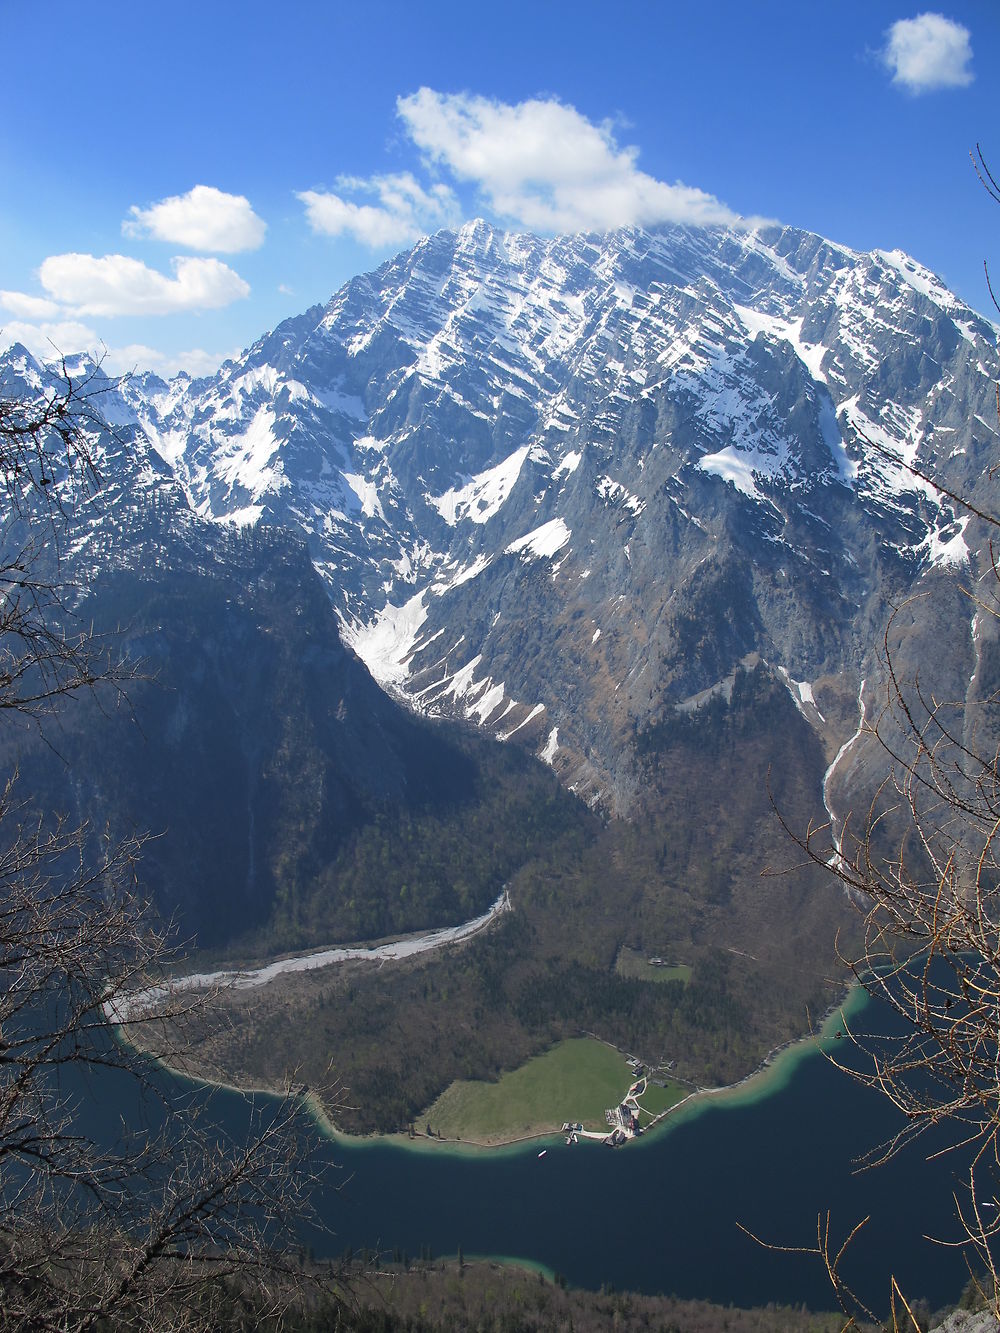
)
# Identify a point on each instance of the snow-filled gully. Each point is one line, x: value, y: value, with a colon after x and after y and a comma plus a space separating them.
x: 847, y: 745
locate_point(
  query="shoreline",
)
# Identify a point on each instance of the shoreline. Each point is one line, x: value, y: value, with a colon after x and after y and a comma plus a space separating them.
x: 769, y: 1077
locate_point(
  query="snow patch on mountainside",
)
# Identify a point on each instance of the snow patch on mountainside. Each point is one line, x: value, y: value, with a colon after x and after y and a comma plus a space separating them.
x: 946, y: 547
x: 847, y: 468
x: 754, y: 241
x: 462, y: 575
x: 367, y: 495
x: 613, y: 492
x: 542, y: 543
x: 481, y: 496
x: 248, y: 459
x: 785, y: 330
x: 734, y: 466
x: 548, y: 750
x: 735, y: 408
x: 534, y: 712
x: 386, y: 645
x: 896, y: 438
x: 480, y: 698
x: 922, y: 280
x: 569, y: 464
x: 802, y: 694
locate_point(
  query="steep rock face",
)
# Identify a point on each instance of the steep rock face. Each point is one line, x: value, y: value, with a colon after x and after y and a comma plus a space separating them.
x: 560, y: 487
x: 253, y: 746
x: 640, y: 504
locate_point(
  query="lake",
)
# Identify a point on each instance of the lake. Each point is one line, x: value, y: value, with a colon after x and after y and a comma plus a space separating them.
x: 661, y: 1214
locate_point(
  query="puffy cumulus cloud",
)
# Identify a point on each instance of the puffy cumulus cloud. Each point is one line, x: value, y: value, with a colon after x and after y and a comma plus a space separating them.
x: 927, y: 53
x: 404, y: 209
x: 51, y: 339
x: 23, y: 306
x: 137, y: 356
x: 203, y: 219
x: 546, y: 166
x: 117, y: 285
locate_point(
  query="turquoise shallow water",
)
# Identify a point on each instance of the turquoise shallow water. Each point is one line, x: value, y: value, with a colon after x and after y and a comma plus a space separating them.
x: 662, y: 1214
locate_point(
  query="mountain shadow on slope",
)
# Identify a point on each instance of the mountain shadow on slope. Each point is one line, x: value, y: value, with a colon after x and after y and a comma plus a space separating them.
x: 289, y: 800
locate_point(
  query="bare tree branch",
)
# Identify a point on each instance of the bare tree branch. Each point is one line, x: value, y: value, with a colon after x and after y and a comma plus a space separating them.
x: 146, y: 1225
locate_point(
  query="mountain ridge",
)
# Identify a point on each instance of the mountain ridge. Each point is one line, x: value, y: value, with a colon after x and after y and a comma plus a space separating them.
x: 493, y: 438
x: 623, y: 502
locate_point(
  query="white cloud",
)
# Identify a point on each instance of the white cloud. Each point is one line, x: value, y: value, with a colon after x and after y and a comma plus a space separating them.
x: 928, y: 52
x: 405, y: 210
x: 547, y: 167
x: 52, y: 339
x: 137, y: 356
x: 118, y: 285
x: 23, y: 306
x: 203, y: 219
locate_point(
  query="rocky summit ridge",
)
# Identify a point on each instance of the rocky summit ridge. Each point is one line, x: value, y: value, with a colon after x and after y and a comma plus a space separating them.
x: 566, y: 487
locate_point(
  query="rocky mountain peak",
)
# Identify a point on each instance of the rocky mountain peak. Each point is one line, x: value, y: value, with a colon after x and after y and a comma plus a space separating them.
x: 562, y: 486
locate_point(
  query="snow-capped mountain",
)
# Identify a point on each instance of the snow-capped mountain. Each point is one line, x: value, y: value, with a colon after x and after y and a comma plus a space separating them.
x: 642, y: 504
x: 250, y: 742
x: 561, y: 486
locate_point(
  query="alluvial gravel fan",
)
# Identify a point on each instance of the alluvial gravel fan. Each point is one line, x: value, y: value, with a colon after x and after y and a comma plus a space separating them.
x: 563, y: 487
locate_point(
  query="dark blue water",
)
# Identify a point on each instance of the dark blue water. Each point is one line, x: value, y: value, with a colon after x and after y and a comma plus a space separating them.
x: 662, y: 1214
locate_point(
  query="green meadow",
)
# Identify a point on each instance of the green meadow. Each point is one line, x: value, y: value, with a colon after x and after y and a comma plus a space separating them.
x: 632, y: 963
x: 575, y: 1081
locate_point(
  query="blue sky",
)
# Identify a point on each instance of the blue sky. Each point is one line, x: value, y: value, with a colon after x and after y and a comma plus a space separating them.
x: 179, y: 177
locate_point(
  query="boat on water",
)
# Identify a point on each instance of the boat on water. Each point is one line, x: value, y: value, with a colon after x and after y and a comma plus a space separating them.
x: 543, y: 1152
